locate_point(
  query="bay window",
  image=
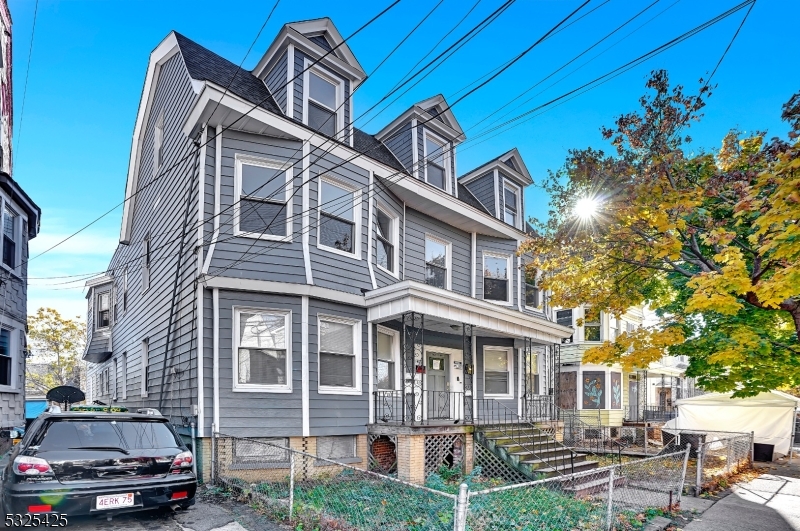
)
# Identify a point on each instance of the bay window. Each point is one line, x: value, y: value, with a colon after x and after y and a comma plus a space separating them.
x: 261, y: 350
x: 339, y: 355
x: 337, y: 217
x: 437, y: 262
x: 497, y: 372
x: 496, y: 278
x: 263, y: 198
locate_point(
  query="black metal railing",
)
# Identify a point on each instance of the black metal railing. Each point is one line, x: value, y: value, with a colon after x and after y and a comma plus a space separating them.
x: 539, y: 408
x: 650, y: 413
x: 434, y: 407
x: 492, y: 415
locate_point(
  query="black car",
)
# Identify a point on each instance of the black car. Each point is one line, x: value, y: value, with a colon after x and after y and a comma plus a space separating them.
x: 76, y: 463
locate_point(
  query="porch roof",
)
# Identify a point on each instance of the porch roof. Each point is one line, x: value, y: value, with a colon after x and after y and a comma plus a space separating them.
x: 448, y: 307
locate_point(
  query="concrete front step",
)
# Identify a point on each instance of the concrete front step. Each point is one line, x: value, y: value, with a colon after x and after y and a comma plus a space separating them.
x: 551, y: 471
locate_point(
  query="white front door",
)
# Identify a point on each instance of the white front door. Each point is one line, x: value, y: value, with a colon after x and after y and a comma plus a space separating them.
x: 444, y: 383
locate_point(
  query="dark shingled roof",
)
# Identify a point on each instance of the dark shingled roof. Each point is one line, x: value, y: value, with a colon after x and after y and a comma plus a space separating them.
x: 205, y: 65
x: 467, y: 197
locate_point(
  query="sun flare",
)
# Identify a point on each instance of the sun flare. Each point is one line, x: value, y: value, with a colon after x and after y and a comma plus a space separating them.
x: 586, y: 208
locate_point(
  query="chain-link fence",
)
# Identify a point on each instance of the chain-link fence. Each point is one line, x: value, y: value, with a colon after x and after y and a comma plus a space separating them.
x: 296, y: 487
x: 618, y: 497
x: 310, y: 492
x: 719, y: 454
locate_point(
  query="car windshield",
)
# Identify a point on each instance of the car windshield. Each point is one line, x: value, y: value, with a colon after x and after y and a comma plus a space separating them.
x: 94, y: 433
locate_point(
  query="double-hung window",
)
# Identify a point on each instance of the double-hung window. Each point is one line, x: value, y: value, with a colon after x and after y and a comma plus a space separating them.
x: 564, y: 318
x: 324, y: 96
x: 263, y: 192
x: 385, y: 230
x: 6, y: 359
x: 103, y: 313
x: 497, y: 372
x: 437, y: 262
x: 496, y: 278
x: 262, y: 340
x: 591, y: 331
x: 338, y: 215
x: 511, y: 204
x: 532, y: 294
x: 435, y: 163
x: 10, y: 224
x: 339, y: 355
x: 387, y: 359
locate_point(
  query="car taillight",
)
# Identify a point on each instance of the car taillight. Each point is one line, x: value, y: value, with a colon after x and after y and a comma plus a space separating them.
x: 32, y: 466
x: 182, y: 463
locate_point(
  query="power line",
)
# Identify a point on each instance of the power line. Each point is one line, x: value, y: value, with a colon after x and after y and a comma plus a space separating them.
x: 311, y: 65
x: 27, y: 72
x: 736, y: 34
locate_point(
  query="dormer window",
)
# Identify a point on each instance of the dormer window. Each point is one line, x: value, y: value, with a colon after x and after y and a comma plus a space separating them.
x: 435, y: 163
x: 103, y: 313
x: 324, y: 95
x: 511, y: 204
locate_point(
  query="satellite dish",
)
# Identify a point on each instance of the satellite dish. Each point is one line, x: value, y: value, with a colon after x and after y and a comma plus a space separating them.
x: 65, y: 394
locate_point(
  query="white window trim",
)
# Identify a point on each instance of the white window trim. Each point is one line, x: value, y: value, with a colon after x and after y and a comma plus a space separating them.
x: 510, y: 277
x: 158, y: 143
x: 144, y: 362
x: 518, y: 191
x: 449, y: 245
x: 97, y: 310
x: 14, y: 353
x: 510, y: 354
x: 357, y: 214
x: 398, y: 362
x: 334, y: 80
x: 395, y: 236
x: 357, y: 340
x: 22, y: 219
x: 445, y: 153
x: 262, y: 388
x: 265, y: 163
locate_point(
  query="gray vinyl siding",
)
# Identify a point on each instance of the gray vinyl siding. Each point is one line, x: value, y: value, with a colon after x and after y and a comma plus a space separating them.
x: 329, y: 269
x: 483, y: 190
x: 483, y: 342
x: 159, y: 209
x: 500, y: 246
x: 421, y: 152
x: 322, y: 42
x: 253, y: 258
x: 417, y: 225
x: 276, y: 81
x: 258, y: 414
x: 401, y: 144
x: 386, y: 199
x: 336, y: 414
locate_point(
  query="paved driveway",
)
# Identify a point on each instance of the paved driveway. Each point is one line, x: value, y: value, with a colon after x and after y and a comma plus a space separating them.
x: 769, y: 502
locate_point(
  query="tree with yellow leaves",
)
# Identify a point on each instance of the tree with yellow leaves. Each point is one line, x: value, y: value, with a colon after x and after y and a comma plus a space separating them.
x: 711, y: 242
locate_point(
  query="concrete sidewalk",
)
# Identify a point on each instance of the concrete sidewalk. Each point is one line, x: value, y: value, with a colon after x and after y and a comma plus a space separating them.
x: 769, y: 502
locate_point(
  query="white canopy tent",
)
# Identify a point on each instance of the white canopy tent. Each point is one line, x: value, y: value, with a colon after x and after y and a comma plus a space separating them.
x: 770, y: 416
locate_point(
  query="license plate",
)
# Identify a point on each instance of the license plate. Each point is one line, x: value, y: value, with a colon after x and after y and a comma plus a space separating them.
x: 115, y: 501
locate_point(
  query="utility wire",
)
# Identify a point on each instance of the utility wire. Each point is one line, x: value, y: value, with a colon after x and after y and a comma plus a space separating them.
x: 736, y: 34
x: 27, y: 72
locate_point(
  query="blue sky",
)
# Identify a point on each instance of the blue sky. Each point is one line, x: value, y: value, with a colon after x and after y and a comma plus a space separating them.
x: 89, y: 59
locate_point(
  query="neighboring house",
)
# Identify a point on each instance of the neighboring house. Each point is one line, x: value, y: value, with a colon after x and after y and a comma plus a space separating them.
x: 301, y: 279
x: 610, y: 394
x: 19, y: 218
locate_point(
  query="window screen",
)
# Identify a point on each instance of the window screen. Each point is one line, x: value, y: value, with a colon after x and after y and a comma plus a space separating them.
x: 337, y: 225
x: 341, y: 447
x: 261, y: 451
x: 337, y: 357
x: 495, y: 278
x: 262, y: 206
x: 262, y: 349
x: 496, y: 372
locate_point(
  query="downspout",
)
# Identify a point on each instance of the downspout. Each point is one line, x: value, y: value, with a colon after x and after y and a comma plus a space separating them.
x: 215, y: 306
x: 201, y: 214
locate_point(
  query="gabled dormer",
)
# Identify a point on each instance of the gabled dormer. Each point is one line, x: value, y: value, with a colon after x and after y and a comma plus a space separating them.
x: 499, y: 184
x: 424, y: 139
x: 319, y: 96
